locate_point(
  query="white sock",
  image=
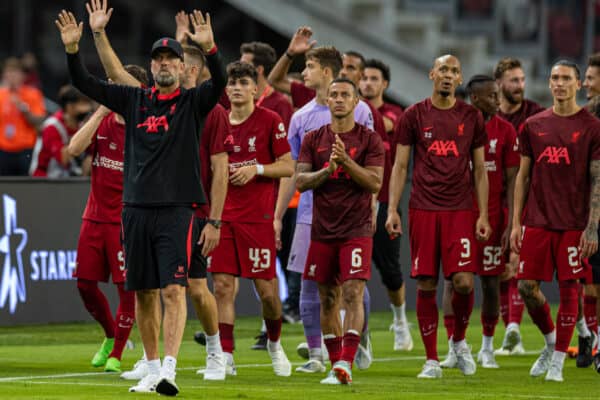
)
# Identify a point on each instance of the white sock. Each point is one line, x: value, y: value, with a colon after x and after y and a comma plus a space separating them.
x: 582, y: 329
x: 263, y: 328
x: 512, y: 325
x: 558, y: 357
x: 487, y: 343
x: 315, y: 354
x: 153, y: 366
x: 550, y: 339
x: 169, y: 365
x: 213, y: 344
x: 273, y: 346
x: 399, y: 313
x: 144, y: 356
x: 459, y: 344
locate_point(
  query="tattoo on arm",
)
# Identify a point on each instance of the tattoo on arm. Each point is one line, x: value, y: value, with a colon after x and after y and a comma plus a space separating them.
x: 308, y: 180
x: 592, y: 226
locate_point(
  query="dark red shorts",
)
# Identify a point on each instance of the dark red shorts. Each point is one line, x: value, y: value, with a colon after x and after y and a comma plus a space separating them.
x: 100, y: 253
x: 490, y: 260
x: 246, y: 250
x: 446, y: 236
x: 544, y: 251
x: 333, y: 263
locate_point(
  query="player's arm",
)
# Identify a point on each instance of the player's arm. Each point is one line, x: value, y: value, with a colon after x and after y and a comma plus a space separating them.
x: 299, y: 44
x: 510, y: 176
x: 99, y: 16
x: 210, y: 235
x: 82, y: 139
x: 287, y: 187
x: 393, y: 225
x: 368, y: 177
x: 483, y: 230
x: 521, y: 188
x: 282, y: 167
x: 589, y: 239
x: 307, y: 179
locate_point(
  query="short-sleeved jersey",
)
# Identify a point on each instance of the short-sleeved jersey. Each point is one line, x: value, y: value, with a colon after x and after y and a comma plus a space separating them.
x: 501, y: 152
x: 50, y: 155
x: 106, y: 193
x: 275, y: 101
x: 379, y: 127
x: 301, y: 94
x: 443, y: 142
x: 16, y: 134
x: 260, y: 139
x: 561, y: 149
x: 391, y: 111
x: 342, y: 208
x: 212, y: 142
x: 309, y: 118
x: 528, y: 108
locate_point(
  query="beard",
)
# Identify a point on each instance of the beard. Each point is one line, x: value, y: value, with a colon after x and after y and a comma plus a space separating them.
x: 444, y: 93
x: 511, y: 98
x: 164, y: 79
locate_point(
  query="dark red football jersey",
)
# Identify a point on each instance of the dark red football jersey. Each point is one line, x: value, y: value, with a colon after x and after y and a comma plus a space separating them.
x: 561, y: 149
x: 443, y: 142
x: 261, y: 139
x: 528, y: 108
x: 212, y: 142
x: 379, y: 127
x: 278, y: 103
x: 341, y: 208
x: 391, y: 111
x: 301, y: 94
x: 105, y: 200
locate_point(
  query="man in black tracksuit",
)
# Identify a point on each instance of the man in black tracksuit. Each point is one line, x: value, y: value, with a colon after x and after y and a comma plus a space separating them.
x: 161, y: 182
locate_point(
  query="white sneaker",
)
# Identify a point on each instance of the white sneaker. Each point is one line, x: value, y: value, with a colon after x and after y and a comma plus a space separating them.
x: 555, y: 372
x: 518, y: 350
x: 431, y: 370
x: 464, y: 360
x: 311, y: 367
x: 364, y: 354
x: 486, y: 359
x: 229, y: 366
x: 281, y: 364
x: 216, y: 367
x: 541, y: 365
x: 146, y: 385
x: 450, y: 360
x: 331, y: 379
x: 302, y: 350
x: 402, y: 338
x: 138, y: 372
x: 166, y: 385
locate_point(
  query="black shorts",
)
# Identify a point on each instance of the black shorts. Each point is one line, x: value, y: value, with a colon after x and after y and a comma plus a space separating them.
x: 199, y: 262
x: 158, y: 244
x: 386, y: 253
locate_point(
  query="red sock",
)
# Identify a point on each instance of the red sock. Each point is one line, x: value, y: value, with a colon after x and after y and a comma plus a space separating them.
x: 334, y: 347
x: 449, y: 325
x: 226, y: 336
x: 489, y: 322
x: 567, y: 314
x: 97, y: 305
x: 515, y: 304
x: 350, y: 344
x: 463, y: 307
x: 589, y: 311
x: 542, y: 318
x: 273, y: 329
x: 504, y: 289
x: 427, y: 315
x: 124, y: 320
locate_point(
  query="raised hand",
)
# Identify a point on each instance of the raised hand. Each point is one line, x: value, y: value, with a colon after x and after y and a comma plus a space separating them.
x: 182, y: 26
x: 301, y: 42
x: 203, y: 33
x: 338, y: 152
x: 99, y: 14
x: 70, y: 31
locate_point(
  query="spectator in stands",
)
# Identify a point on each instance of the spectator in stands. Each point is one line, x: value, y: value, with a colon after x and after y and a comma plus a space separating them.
x: 21, y: 112
x: 52, y: 160
x: 30, y: 66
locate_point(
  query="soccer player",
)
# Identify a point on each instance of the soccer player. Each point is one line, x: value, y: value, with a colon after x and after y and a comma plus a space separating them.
x: 386, y: 251
x: 342, y: 163
x: 261, y: 155
x: 501, y: 162
x: 161, y: 151
x: 99, y: 252
x: 447, y: 135
x: 323, y: 64
x: 213, y: 171
x: 514, y: 108
x: 560, y: 171
x: 592, y: 76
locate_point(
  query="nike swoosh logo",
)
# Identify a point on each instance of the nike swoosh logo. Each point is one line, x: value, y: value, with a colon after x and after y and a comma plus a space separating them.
x: 487, y: 268
x: 463, y: 263
x: 254, y: 271
x: 321, y: 149
x: 354, y: 271
x: 575, y: 271
x: 102, y: 137
x: 427, y: 333
x: 541, y: 133
x: 178, y: 276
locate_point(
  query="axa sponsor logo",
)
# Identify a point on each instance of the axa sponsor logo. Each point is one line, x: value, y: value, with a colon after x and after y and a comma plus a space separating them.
x: 554, y: 155
x: 443, y: 148
x: 152, y: 123
x: 19, y: 265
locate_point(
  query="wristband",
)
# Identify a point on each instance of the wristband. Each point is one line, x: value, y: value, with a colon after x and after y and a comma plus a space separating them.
x: 260, y: 169
x: 289, y: 55
x: 214, y: 222
x: 212, y: 51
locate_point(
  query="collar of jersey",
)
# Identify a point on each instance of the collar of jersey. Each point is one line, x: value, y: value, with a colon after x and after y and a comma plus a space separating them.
x: 169, y: 96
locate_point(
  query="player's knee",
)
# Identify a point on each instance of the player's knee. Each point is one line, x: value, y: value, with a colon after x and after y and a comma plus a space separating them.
x: 329, y: 300
x: 527, y: 289
x: 198, y: 289
x: 352, y: 293
x: 462, y: 283
x: 223, y: 288
x: 172, y: 293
